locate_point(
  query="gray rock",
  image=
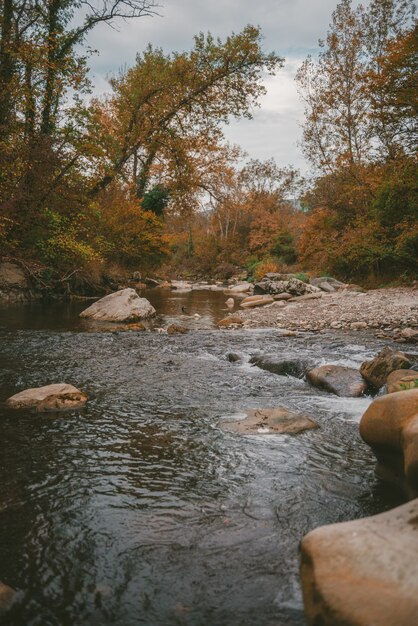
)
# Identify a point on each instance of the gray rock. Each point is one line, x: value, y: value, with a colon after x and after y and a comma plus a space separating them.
x: 270, y: 422
x: 57, y: 397
x: 151, y: 282
x: 121, y: 306
x: 282, y: 367
x: 342, y: 381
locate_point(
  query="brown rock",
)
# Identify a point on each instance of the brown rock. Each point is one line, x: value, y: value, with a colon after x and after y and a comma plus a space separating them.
x: 270, y: 421
x: 378, y: 369
x: 7, y: 595
x: 232, y: 320
x: 410, y: 334
x: 363, y: 573
x: 390, y: 427
x: 342, y: 381
x: 254, y: 301
x: 174, y: 329
x: 283, y: 296
x: 401, y: 380
x: 56, y: 397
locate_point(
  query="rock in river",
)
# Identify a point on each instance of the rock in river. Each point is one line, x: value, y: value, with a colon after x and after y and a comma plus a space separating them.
x: 121, y: 306
x: 58, y: 397
x: 378, y: 369
x: 270, y: 421
x: 343, y: 381
x: 390, y: 427
x: 282, y: 367
x: 363, y: 573
x: 401, y: 380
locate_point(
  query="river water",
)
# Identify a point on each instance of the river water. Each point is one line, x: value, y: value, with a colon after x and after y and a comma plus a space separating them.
x: 140, y: 508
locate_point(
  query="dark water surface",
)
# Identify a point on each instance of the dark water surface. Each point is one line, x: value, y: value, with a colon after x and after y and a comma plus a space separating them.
x: 140, y: 509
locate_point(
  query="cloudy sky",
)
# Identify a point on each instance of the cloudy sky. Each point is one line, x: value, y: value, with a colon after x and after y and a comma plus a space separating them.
x: 290, y: 27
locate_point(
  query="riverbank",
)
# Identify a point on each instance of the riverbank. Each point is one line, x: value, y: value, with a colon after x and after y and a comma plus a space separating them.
x: 389, y: 312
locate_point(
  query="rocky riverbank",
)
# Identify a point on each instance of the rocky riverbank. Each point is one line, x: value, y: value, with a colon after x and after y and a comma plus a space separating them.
x: 391, y: 313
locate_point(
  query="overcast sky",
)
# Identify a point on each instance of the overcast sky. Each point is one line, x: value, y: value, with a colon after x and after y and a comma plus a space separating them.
x: 290, y: 27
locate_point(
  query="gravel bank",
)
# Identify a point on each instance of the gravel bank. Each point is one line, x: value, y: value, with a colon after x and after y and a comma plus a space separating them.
x: 387, y: 311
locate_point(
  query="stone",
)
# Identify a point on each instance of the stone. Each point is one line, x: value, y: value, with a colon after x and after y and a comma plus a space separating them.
x: 7, y: 595
x: 283, y: 296
x: 282, y: 367
x: 358, y: 325
x: 363, y: 572
x: 410, y: 334
x: 57, y: 397
x: 390, y: 428
x: 181, y: 285
x: 402, y: 380
x: 378, y: 369
x: 342, y: 381
x: 270, y: 421
x: 232, y: 320
x: 230, y: 302
x: 308, y: 296
x: 241, y: 288
x: 137, y: 276
x: 151, y: 282
x: 254, y: 301
x: 233, y: 357
x: 121, y: 306
x: 175, y: 329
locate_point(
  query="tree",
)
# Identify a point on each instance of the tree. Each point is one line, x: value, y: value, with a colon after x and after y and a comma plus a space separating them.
x: 169, y: 105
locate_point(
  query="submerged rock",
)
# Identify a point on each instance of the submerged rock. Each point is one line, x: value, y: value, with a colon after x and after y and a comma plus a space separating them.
x: 174, y: 329
x: 390, y: 428
x: 270, y: 421
x: 121, y: 306
x: 364, y: 572
x: 378, y: 369
x: 282, y: 367
x: 57, y: 397
x: 342, y: 381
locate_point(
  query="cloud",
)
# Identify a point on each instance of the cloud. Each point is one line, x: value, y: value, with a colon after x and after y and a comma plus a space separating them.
x: 290, y: 27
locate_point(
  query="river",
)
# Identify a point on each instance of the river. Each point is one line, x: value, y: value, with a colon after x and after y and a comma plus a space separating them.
x: 140, y: 508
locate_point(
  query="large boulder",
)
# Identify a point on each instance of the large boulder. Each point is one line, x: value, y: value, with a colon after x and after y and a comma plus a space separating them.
x: 293, y: 286
x: 57, y: 397
x: 7, y: 595
x: 378, y: 369
x: 364, y: 572
x: 401, y: 380
x: 121, y: 306
x: 390, y: 427
x: 342, y: 381
x: 281, y: 366
x: 270, y: 421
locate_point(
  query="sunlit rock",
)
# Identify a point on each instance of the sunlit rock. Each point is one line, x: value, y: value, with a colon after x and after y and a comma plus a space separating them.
x: 364, y: 572
x: 121, y: 306
x: 390, y: 427
x: 342, y: 381
x: 57, y: 397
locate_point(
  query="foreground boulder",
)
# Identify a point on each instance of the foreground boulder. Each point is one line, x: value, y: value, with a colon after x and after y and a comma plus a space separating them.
x: 58, y: 397
x: 401, y: 380
x: 342, y: 381
x: 363, y: 573
x: 121, y: 306
x: 378, y: 369
x: 282, y: 367
x: 7, y: 595
x: 390, y: 427
x: 270, y: 421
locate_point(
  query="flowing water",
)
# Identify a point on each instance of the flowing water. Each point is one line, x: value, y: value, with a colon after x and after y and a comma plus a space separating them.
x: 140, y: 508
